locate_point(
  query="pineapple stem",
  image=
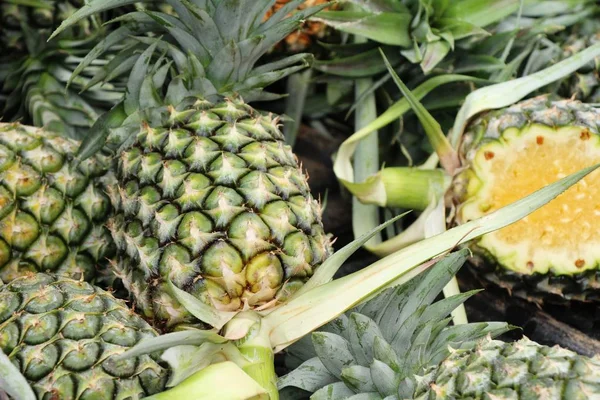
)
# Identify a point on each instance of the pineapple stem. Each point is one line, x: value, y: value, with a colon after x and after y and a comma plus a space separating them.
x: 262, y: 368
x: 256, y: 348
x: 413, y: 188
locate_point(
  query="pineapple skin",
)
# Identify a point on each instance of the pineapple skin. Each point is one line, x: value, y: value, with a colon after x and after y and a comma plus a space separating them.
x: 557, y: 285
x: 52, y: 211
x: 523, y: 370
x: 62, y: 334
x: 213, y: 201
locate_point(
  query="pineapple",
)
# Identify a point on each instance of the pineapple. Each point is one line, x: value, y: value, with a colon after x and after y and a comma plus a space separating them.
x: 63, y: 335
x: 52, y: 210
x: 512, y: 152
x: 400, y: 345
x: 33, y: 73
x: 209, y: 198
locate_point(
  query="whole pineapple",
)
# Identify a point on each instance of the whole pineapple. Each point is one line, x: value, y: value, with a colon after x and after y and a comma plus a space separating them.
x: 63, y: 334
x: 52, y: 210
x: 400, y: 345
x: 209, y: 197
x: 509, y: 153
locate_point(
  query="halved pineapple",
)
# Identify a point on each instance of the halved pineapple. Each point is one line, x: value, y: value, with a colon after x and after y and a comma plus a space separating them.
x: 516, y: 151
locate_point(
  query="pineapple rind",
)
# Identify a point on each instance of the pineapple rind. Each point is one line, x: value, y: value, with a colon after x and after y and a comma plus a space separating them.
x: 523, y: 370
x: 53, y: 210
x: 62, y: 334
x: 528, y: 267
x: 215, y: 202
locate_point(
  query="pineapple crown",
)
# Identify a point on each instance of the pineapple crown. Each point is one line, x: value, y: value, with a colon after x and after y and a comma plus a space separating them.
x: 205, y: 48
x: 383, y: 345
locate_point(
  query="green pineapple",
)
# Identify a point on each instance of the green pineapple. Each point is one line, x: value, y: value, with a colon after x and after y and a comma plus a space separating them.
x: 400, y: 345
x: 209, y: 197
x: 63, y: 335
x: 52, y: 211
x: 511, y: 153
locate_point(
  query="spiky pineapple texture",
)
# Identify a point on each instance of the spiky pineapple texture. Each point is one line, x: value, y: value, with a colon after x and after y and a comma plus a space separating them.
x: 52, y: 210
x: 523, y: 370
x: 377, y: 350
x: 63, y: 336
x: 511, y: 153
x: 212, y: 200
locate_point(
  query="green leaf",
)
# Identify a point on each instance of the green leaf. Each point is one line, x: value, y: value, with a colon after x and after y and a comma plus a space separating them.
x: 195, y: 337
x: 362, y: 332
x: 333, y: 351
x: 384, y: 378
x: 12, y: 382
x: 137, y: 76
x: 96, y: 138
x: 384, y: 27
x: 445, y: 151
x: 359, y: 65
x: 200, y: 310
x: 90, y: 8
x: 358, y: 378
x: 311, y: 375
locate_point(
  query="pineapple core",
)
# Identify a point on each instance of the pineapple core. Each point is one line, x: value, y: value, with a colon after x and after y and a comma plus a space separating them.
x: 562, y: 237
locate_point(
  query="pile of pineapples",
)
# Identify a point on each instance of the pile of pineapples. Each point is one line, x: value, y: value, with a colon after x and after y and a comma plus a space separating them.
x: 184, y: 199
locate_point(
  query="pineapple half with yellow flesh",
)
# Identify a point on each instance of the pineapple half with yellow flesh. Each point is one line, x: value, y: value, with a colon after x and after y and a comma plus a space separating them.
x: 512, y: 152
x: 209, y: 199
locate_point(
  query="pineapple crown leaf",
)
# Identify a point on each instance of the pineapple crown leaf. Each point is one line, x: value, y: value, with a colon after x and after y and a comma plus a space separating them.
x: 382, y: 344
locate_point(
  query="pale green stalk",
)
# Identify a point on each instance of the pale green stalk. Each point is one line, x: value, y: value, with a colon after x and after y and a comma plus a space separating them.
x: 366, y: 160
x: 413, y: 188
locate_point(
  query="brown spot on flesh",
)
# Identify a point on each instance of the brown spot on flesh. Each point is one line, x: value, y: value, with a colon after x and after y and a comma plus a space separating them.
x: 585, y: 134
x: 530, y: 264
x: 579, y: 263
x: 489, y: 155
x: 539, y: 140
